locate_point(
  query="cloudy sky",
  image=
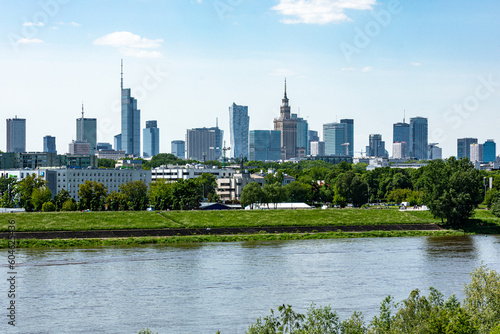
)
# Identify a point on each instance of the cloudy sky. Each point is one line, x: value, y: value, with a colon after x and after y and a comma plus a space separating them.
x: 188, y: 60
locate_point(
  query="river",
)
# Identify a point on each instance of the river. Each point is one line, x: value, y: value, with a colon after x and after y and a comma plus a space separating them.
x: 202, y: 288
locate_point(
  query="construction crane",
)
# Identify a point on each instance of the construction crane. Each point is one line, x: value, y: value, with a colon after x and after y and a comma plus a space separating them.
x: 224, y: 149
x: 346, y: 147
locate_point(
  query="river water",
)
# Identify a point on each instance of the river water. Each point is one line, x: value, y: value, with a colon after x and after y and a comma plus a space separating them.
x: 207, y: 287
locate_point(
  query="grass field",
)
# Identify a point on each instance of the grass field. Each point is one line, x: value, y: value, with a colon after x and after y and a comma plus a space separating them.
x: 78, y: 221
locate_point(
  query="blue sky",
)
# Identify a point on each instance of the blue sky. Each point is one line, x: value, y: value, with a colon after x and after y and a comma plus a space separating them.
x: 187, y: 61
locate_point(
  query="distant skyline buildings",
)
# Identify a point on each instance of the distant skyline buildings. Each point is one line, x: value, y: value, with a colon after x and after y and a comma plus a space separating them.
x: 400, y: 134
x: 151, y: 139
x: 317, y: 148
x: 302, y: 136
x: 239, y: 123
x: 130, y: 122
x: 400, y: 150
x: 178, y: 148
x: 288, y: 130
x: 376, y: 146
x: 463, y: 147
x: 49, y: 144
x: 16, y: 135
x: 489, y: 151
x: 204, y: 143
x: 418, y: 138
x: 349, y: 136
x: 434, y: 152
x: 86, y: 130
x: 476, y: 152
x: 334, y: 135
x: 264, y: 145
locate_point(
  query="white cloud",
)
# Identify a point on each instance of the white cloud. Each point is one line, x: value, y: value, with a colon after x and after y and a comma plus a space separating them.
x: 319, y: 11
x: 415, y: 63
x: 29, y: 41
x: 367, y: 69
x: 131, y: 45
x: 33, y: 24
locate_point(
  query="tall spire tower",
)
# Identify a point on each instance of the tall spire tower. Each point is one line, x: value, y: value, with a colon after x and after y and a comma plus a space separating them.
x: 288, y: 128
x: 131, y: 118
x: 122, y: 75
x: 285, y: 108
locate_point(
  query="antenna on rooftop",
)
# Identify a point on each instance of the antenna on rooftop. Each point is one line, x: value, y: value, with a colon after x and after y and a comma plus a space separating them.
x: 122, y: 75
x: 404, y: 115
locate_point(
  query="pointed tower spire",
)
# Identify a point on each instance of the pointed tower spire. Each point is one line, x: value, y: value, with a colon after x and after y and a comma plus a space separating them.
x: 285, y: 88
x: 404, y: 115
x: 122, y: 75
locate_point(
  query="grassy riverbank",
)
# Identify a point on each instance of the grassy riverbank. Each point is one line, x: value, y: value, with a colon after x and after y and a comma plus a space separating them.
x: 78, y: 221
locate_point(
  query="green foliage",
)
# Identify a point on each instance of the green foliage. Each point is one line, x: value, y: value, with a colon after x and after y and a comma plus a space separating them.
x: 298, y: 192
x: 7, y: 192
x: 116, y: 201
x: 106, y: 163
x: 492, y: 195
x: 69, y: 205
x: 48, y: 207
x: 146, y: 331
x: 452, y: 189
x: 135, y: 195
x: 92, y: 196
x: 252, y: 193
x: 186, y: 195
x: 208, y: 184
x: 405, y: 195
x: 351, y: 188
x: 274, y: 193
x: 61, y: 197
x: 160, y: 194
x: 25, y: 189
x: 39, y: 196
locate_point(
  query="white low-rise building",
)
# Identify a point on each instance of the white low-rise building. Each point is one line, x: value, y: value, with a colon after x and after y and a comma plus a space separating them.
x: 174, y: 173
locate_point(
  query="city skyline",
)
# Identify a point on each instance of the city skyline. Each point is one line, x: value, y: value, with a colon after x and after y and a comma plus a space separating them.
x: 434, y: 62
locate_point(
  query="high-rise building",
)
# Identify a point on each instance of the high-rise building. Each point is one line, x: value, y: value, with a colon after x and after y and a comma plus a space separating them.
x: 131, y: 122
x: 79, y: 147
x: 313, y: 136
x: 400, y: 133
x: 118, y: 142
x: 239, y: 123
x: 151, y: 139
x: 104, y: 147
x: 49, y: 144
x: 302, y: 136
x: 16, y: 135
x: 317, y: 148
x: 86, y: 130
x: 463, y: 147
x: 178, y: 148
x: 476, y: 152
x: 204, y: 143
x: 489, y: 151
x: 288, y: 128
x: 434, y: 152
x: 264, y: 145
x: 418, y: 138
x: 349, y: 135
x: 400, y: 150
x: 376, y: 147
x: 334, y: 136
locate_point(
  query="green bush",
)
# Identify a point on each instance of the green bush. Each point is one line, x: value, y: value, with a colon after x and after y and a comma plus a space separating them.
x: 48, y: 207
x: 69, y: 205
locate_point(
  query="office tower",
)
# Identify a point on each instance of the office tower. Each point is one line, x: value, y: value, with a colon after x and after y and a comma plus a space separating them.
x: 131, y: 122
x: 118, y: 142
x: 349, y: 135
x: 239, y: 122
x: 489, y: 151
x: 78, y: 147
x: 86, y: 130
x: 317, y: 148
x: 400, y: 134
x: 16, y: 135
x: 178, y: 148
x: 418, y: 138
x: 435, y: 152
x: 104, y: 147
x: 476, y: 152
x: 302, y: 136
x: 400, y: 150
x: 376, y: 147
x: 151, y: 139
x: 49, y: 144
x: 288, y: 128
x: 313, y: 136
x: 334, y: 136
x: 463, y: 147
x: 264, y: 145
x: 204, y: 143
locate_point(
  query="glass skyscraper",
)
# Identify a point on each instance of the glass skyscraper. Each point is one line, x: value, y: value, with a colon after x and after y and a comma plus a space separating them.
x: 401, y: 132
x: 16, y: 135
x: 89, y: 134
x: 376, y: 148
x: 151, y: 139
x: 349, y: 135
x: 204, y: 143
x: 131, y: 123
x: 178, y: 148
x: 489, y: 151
x: 418, y: 138
x: 238, y: 129
x: 264, y: 145
x: 302, y: 133
x: 49, y: 144
x: 463, y: 147
x: 334, y: 135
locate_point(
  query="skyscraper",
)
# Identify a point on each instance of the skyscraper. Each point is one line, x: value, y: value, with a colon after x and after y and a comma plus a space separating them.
x: 476, y: 152
x: 49, y: 144
x: 313, y: 136
x: 349, y: 135
x: 463, y: 147
x: 317, y: 148
x: 86, y: 130
x: 334, y: 135
x: 204, y: 143
x: 376, y: 148
x: 400, y: 134
x: 118, y: 142
x: 489, y: 151
x: 239, y: 122
x: 418, y: 138
x: 400, y: 150
x: 435, y: 152
x: 16, y: 135
x: 151, y: 139
x: 264, y: 145
x: 178, y: 148
x: 288, y: 128
x: 302, y: 136
x: 131, y: 122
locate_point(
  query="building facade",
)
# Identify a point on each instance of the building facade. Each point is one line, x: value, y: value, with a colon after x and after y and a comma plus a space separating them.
x: 288, y: 129
x: 131, y: 123
x: 79, y: 148
x: 418, y: 138
x: 302, y: 136
x: 151, y: 139
x: 435, y: 152
x: 463, y: 147
x: 400, y: 150
x: 16, y: 135
x: 349, y: 137
x: 476, y: 152
x: 118, y: 142
x: 489, y: 151
x: 204, y: 143
x: 334, y: 136
x: 376, y: 147
x: 86, y: 130
x: 32, y: 160
x: 172, y: 173
x: 178, y: 148
x: 317, y: 148
x: 239, y: 123
x: 104, y: 146
x: 264, y: 145
x: 49, y: 144
x: 230, y: 188
x: 400, y: 134
x: 313, y: 136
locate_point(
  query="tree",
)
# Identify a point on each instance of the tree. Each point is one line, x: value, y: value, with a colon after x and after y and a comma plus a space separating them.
x: 92, y: 196
x: 106, y: 163
x: 48, y: 207
x: 186, y: 195
x: 116, y: 201
x: 351, y: 188
x: 452, y: 189
x: 61, y: 197
x: 298, y: 192
x: 25, y: 189
x: 160, y: 195
x: 69, y: 205
x: 39, y: 196
x: 135, y: 194
x: 274, y: 193
x: 7, y: 192
x: 208, y: 184
x: 252, y: 193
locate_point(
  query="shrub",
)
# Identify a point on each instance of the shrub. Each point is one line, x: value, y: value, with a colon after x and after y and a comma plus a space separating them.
x: 48, y: 207
x: 69, y: 205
